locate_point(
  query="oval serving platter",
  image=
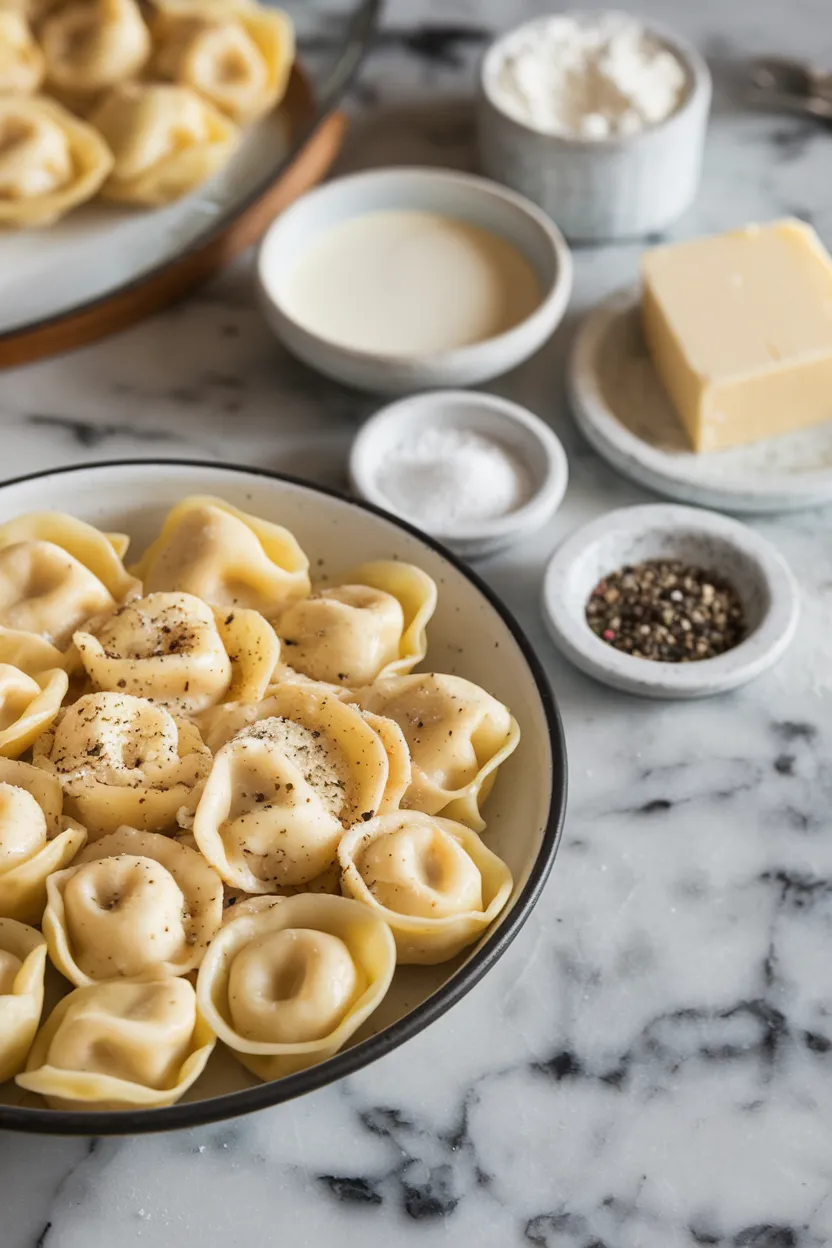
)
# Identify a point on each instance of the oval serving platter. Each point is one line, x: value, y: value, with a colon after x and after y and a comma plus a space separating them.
x: 109, y: 267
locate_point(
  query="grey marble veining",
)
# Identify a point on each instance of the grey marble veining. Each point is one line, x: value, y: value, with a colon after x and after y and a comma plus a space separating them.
x: 650, y: 1065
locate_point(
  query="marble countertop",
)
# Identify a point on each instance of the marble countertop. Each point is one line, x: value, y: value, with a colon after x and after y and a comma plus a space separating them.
x: 650, y: 1065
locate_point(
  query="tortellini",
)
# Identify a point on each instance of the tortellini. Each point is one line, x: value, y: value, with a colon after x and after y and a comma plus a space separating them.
x: 285, y: 985
x: 243, y: 807
x: 134, y: 905
x: 35, y: 838
x: 57, y: 572
x: 21, y: 60
x: 49, y: 161
x: 226, y: 557
x: 283, y: 789
x: 124, y: 760
x: 370, y: 624
x: 119, y: 1045
x: 239, y: 57
x: 22, y: 968
x: 458, y: 735
x: 166, y: 141
x: 33, y: 684
x: 432, y: 880
x: 175, y: 650
x: 90, y: 45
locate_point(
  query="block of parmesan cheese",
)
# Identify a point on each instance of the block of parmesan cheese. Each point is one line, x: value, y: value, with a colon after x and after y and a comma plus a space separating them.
x: 740, y: 331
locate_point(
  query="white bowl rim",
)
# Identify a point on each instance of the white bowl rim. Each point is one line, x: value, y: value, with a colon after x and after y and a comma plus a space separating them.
x: 758, y: 651
x: 525, y: 519
x: 265, y: 1095
x: 551, y: 307
x: 692, y: 61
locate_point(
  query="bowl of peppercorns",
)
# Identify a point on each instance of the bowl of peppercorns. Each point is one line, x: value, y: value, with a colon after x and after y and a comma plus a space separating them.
x: 670, y: 602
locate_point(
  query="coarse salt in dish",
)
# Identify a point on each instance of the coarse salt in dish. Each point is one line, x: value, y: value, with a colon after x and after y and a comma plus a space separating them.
x: 444, y: 477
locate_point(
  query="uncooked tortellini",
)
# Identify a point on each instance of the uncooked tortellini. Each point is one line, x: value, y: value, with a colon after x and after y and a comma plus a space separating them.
x: 21, y: 60
x: 432, y: 880
x: 134, y: 905
x: 90, y: 45
x: 166, y: 141
x: 286, y: 984
x: 49, y: 161
x: 226, y: 557
x: 370, y: 624
x: 57, y: 572
x: 283, y: 789
x: 35, y: 838
x: 180, y: 653
x: 458, y: 736
x: 22, y: 967
x: 115, y: 1045
x: 238, y: 58
x: 124, y: 760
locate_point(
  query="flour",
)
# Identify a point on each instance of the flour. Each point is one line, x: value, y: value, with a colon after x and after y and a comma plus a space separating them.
x: 443, y: 477
x: 587, y: 79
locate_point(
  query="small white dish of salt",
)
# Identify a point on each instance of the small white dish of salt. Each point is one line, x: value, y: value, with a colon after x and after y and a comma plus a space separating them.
x: 472, y: 470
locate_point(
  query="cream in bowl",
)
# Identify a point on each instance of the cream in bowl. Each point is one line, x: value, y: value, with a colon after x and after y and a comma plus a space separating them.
x: 413, y: 278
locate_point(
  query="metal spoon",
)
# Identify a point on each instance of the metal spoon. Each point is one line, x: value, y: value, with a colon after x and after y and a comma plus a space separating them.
x: 789, y: 85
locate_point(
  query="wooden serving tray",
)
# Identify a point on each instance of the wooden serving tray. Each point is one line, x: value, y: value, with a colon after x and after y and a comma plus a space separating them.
x: 163, y: 285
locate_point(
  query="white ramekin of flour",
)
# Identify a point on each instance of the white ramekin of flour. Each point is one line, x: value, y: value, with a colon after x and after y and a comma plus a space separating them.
x: 598, y: 119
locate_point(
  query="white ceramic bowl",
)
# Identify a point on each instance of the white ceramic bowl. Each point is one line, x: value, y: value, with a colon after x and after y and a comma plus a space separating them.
x: 524, y: 813
x: 701, y: 538
x: 459, y: 195
x: 602, y: 189
x: 523, y: 434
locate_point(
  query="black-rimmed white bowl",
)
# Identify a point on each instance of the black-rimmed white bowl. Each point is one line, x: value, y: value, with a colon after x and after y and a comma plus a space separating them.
x: 472, y: 635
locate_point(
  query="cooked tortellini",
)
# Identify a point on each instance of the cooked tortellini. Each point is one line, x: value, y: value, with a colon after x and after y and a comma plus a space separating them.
x: 284, y: 788
x: 35, y: 838
x: 284, y: 985
x: 90, y: 45
x: 22, y: 967
x: 118, y: 1045
x: 239, y: 57
x: 57, y: 572
x: 243, y: 807
x: 49, y: 161
x: 28, y: 705
x: 226, y: 557
x: 124, y: 760
x: 432, y: 880
x: 21, y: 60
x: 33, y: 683
x: 166, y: 141
x: 399, y: 770
x: 458, y: 735
x: 370, y: 624
x: 178, y: 652
x: 134, y: 905
x: 32, y: 10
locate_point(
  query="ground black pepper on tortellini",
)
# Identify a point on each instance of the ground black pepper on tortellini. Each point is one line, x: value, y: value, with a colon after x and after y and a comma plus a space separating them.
x: 228, y: 807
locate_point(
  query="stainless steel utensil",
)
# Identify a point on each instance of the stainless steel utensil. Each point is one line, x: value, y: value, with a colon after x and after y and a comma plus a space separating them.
x: 787, y: 85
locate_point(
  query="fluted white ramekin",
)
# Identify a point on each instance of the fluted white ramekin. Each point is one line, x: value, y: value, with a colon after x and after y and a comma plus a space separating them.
x: 599, y: 189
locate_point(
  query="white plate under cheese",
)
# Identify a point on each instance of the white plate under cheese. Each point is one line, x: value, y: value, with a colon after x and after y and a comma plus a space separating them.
x: 624, y: 412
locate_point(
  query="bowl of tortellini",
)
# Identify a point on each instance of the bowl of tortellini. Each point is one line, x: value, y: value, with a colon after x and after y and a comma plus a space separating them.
x: 134, y: 104
x: 279, y: 782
